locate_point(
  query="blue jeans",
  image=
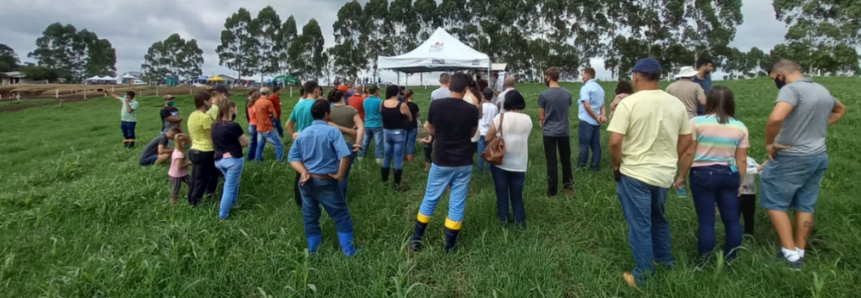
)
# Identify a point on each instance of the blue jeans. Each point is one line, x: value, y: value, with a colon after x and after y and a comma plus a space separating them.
x: 648, y: 228
x: 438, y: 179
x: 231, y: 167
x: 128, y: 129
x: 316, y: 192
x: 343, y: 183
x: 375, y: 133
x: 710, y: 185
x: 271, y: 137
x: 792, y: 182
x: 276, y: 125
x: 482, y: 165
x: 590, y: 138
x: 252, y: 146
x: 410, y: 145
x: 509, y: 188
x: 395, y: 139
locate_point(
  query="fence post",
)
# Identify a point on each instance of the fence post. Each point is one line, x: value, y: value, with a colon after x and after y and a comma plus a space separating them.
x: 156, y: 93
x: 57, y: 93
x: 85, y: 93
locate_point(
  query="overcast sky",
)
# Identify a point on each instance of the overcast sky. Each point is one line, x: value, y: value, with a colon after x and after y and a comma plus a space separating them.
x: 133, y: 25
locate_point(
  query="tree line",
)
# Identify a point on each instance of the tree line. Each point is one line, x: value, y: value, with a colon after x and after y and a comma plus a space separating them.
x: 529, y: 35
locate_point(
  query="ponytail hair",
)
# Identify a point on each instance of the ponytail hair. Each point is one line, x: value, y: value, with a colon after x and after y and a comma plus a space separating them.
x: 224, y: 108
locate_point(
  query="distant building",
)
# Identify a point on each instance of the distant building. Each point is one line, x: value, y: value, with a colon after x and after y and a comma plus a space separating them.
x: 16, y: 77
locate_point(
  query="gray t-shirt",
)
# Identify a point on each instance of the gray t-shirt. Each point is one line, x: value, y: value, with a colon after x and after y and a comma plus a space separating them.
x: 804, y: 129
x: 151, y: 148
x: 440, y: 93
x: 556, y: 103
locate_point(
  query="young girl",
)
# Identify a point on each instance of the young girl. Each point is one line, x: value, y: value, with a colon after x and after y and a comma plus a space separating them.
x: 427, y: 144
x: 178, y: 171
x: 747, y: 195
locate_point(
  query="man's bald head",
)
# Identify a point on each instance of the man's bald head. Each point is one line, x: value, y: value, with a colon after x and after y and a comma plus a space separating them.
x: 785, y: 66
x: 509, y: 82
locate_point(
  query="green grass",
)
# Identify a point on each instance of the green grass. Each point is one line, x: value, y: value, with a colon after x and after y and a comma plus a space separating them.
x: 80, y: 218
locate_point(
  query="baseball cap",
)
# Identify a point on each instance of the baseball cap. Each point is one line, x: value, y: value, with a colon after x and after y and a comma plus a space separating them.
x: 372, y: 88
x: 647, y: 66
x: 221, y: 89
x: 343, y: 88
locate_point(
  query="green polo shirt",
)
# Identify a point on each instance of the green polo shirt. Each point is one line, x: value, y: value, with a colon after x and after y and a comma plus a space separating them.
x: 125, y: 115
x: 301, y: 114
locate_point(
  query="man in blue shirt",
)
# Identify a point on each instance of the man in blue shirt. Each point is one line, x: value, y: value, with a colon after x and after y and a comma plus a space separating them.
x: 591, y: 112
x: 373, y: 124
x: 300, y: 118
x: 321, y: 156
x: 704, y: 78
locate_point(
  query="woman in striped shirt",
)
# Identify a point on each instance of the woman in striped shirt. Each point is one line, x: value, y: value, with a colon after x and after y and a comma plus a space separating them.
x: 717, y: 162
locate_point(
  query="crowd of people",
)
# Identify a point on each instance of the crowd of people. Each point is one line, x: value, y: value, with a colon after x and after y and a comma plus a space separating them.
x: 686, y: 136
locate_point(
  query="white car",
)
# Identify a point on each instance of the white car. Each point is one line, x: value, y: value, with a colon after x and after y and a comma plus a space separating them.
x: 139, y: 82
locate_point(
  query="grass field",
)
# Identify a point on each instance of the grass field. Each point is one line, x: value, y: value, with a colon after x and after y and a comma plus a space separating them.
x: 80, y: 218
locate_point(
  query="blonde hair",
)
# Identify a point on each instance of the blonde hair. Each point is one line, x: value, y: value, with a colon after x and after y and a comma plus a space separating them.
x: 224, y: 111
x: 180, y: 140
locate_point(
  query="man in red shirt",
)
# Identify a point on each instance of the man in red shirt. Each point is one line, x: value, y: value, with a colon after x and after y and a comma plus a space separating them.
x: 356, y: 101
x: 265, y: 132
x: 482, y: 83
x: 275, y: 98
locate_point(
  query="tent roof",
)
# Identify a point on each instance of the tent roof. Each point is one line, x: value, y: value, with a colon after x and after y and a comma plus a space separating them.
x: 440, y: 52
x: 94, y: 78
x: 128, y: 76
x: 215, y: 79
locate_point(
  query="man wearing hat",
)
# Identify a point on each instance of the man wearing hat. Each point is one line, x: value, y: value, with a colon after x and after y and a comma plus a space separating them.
x: 647, y: 133
x: 169, y: 115
x: 689, y: 93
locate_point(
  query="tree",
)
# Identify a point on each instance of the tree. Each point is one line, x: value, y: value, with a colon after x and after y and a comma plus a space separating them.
x: 309, y: 51
x: 427, y: 18
x: 173, y: 57
x: 403, y: 27
x: 238, y: 45
x: 73, y: 54
x: 375, y: 33
x: 755, y: 58
x: 288, y: 37
x: 821, y: 35
x: 347, y: 54
x: 267, y: 28
x: 8, y: 59
x: 39, y: 73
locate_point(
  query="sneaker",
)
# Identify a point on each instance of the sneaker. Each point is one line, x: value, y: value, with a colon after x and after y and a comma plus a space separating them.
x: 794, y: 266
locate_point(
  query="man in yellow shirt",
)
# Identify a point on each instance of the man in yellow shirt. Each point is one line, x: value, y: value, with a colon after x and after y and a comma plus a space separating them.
x: 648, y: 132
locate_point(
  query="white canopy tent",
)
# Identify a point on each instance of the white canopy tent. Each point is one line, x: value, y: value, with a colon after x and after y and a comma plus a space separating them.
x: 94, y: 78
x: 441, y: 52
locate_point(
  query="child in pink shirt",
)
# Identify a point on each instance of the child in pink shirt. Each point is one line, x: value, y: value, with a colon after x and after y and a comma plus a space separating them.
x: 178, y: 171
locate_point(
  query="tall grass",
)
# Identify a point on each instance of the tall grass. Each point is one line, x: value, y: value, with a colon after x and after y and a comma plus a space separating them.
x: 80, y: 218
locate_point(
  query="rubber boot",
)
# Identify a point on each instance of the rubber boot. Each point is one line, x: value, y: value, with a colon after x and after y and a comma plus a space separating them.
x: 313, y: 243
x: 398, y: 175
x: 450, y: 240
x: 384, y: 172
x: 346, y: 242
x: 416, y: 239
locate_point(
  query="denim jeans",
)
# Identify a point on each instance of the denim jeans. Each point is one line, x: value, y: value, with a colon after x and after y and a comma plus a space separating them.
x: 482, y: 165
x: 343, y: 183
x: 395, y: 139
x: 375, y: 133
x: 410, y: 144
x: 710, y: 185
x: 271, y: 137
x: 252, y: 145
x: 509, y: 188
x: 276, y: 125
x: 564, y: 146
x: 438, y: 179
x: 231, y: 167
x: 648, y: 228
x: 316, y: 192
x: 589, y: 138
x: 792, y: 182
x: 128, y: 129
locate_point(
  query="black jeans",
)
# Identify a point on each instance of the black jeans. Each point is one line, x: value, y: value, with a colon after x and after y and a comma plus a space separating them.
x: 204, y: 175
x: 747, y: 208
x: 564, y: 146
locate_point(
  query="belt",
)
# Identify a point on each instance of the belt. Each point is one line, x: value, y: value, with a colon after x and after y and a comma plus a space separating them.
x: 322, y: 177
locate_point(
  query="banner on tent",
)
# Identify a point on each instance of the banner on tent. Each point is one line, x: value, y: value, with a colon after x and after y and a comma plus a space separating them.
x: 437, y: 47
x: 438, y: 61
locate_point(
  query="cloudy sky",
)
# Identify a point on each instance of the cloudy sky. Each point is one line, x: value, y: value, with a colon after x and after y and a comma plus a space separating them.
x: 133, y: 25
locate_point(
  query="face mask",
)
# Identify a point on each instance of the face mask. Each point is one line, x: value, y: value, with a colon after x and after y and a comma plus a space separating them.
x: 779, y: 83
x: 170, y: 103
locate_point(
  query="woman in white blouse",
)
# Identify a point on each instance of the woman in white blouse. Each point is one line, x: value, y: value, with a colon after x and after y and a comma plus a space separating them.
x: 509, y: 176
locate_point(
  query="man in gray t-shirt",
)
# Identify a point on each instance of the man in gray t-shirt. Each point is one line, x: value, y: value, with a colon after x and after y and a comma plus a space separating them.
x: 553, y: 106
x: 442, y: 91
x: 795, y: 142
